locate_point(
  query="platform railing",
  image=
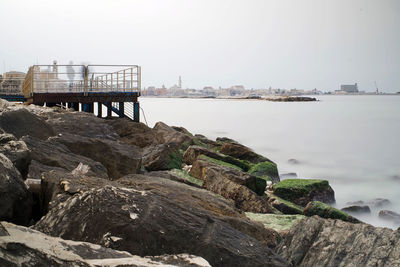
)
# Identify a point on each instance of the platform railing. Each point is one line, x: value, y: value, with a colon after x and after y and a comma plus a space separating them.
x: 82, y: 79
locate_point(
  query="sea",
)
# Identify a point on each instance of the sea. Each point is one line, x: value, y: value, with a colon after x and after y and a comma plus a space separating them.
x: 351, y: 141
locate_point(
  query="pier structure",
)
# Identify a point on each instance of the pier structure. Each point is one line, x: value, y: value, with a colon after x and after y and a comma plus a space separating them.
x: 110, y: 89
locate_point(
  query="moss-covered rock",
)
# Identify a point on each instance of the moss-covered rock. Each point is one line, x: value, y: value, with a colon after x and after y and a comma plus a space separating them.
x: 242, y: 152
x: 266, y: 170
x: 220, y: 162
x: 325, y: 211
x: 279, y: 223
x: 185, y: 175
x: 302, y: 191
x: 284, y: 206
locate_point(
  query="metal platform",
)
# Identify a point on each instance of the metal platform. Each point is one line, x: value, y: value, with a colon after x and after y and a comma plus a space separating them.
x: 82, y: 85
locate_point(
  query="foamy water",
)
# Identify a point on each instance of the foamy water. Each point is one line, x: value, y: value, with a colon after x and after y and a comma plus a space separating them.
x: 352, y: 141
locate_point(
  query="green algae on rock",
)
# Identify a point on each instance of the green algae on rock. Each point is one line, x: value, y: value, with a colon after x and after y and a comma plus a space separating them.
x: 184, y: 175
x: 325, y: 211
x: 266, y: 170
x: 302, y: 191
x: 277, y: 222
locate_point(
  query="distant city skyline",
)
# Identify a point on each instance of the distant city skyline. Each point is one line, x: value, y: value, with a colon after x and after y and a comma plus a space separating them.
x: 256, y: 43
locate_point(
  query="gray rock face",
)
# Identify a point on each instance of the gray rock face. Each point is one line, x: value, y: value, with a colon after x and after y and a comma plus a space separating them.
x: 15, y: 199
x: 82, y: 124
x: 318, y: 242
x: 52, y: 155
x: 133, y: 133
x: 119, y: 159
x: 21, y: 122
x: 162, y: 157
x: 17, y: 152
x: 357, y: 209
x: 390, y: 216
x: 166, y: 134
x: 21, y: 246
x: 150, y: 216
x: 231, y: 184
x: 240, y: 151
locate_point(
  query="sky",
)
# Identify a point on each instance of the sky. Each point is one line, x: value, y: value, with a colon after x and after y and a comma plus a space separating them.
x: 287, y: 44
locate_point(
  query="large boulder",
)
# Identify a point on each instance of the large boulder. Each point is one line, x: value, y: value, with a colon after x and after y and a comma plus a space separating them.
x: 21, y: 246
x: 302, y: 191
x: 82, y: 124
x: 119, y: 159
x: 50, y: 154
x: 191, y: 154
x: 242, y: 152
x: 267, y: 170
x: 15, y: 199
x: 390, y: 216
x: 162, y: 157
x: 325, y: 211
x: 356, y: 209
x: 152, y: 218
x: 166, y: 134
x: 133, y: 133
x: 232, y: 184
x: 17, y: 152
x: 284, y: 206
x: 319, y: 242
x: 21, y: 122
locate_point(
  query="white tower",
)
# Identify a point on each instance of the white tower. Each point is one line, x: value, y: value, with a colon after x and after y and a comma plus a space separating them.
x: 180, y: 82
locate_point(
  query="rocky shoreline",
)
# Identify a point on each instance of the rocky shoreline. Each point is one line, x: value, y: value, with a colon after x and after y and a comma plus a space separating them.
x: 83, y: 191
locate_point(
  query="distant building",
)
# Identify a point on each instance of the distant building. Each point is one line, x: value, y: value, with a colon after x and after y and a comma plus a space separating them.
x: 349, y: 88
x: 12, y: 81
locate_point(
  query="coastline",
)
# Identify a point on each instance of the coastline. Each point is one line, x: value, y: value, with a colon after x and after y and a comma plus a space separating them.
x: 172, y: 185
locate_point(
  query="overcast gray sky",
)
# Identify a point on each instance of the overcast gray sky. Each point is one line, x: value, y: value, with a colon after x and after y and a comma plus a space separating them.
x: 258, y: 43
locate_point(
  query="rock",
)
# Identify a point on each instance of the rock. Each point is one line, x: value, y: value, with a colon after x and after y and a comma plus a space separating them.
x: 15, y: 199
x: 374, y: 203
x: 155, y: 219
x: 325, y: 211
x: 21, y: 122
x: 162, y: 157
x: 4, y: 104
x: 288, y: 175
x: 242, y: 152
x: 119, y: 159
x: 17, y: 152
x: 390, y: 216
x: 178, y: 176
x: 284, y: 206
x: 191, y: 154
x: 319, y: 242
x: 226, y: 140
x: 267, y: 170
x: 57, y: 186
x: 357, y: 209
x: 231, y: 184
x: 302, y: 191
x: 166, y: 134
x: 293, y: 161
x: 51, y: 155
x: 81, y: 124
x: 133, y: 133
x: 280, y: 223
x: 209, y: 143
x: 21, y: 246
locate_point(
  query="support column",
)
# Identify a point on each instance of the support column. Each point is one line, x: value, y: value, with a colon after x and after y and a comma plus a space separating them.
x: 75, y: 106
x: 121, y: 110
x: 109, y: 111
x: 136, y: 112
x: 99, y: 109
x: 88, y: 107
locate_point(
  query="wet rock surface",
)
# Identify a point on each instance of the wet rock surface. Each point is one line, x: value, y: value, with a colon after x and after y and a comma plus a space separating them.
x: 318, y: 242
x: 17, y: 152
x: 21, y: 246
x: 302, y: 191
x: 231, y: 184
x: 15, y: 199
x: 145, y: 223
x: 390, y: 216
x: 357, y: 209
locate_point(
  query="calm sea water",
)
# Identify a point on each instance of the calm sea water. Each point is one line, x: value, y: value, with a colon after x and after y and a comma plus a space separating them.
x: 352, y: 141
